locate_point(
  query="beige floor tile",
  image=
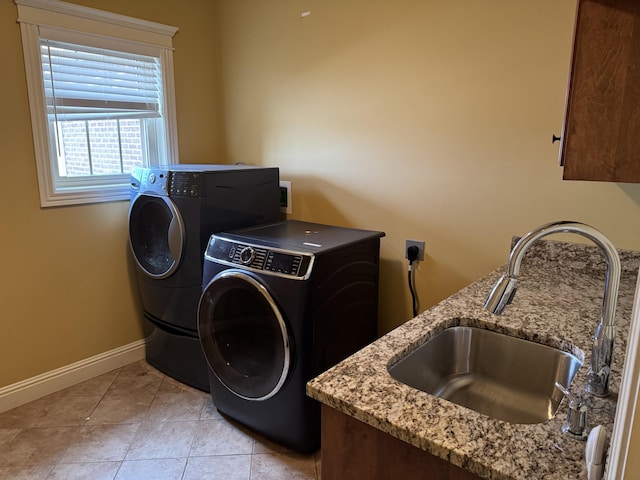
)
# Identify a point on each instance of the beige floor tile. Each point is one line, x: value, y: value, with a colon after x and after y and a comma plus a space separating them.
x: 110, y: 430
x: 220, y: 437
x: 8, y: 434
x: 94, y: 386
x: 162, y: 440
x: 101, y: 443
x: 221, y: 467
x: 85, y: 471
x: 65, y: 411
x: 171, y: 385
x: 121, y: 409
x: 161, y: 469
x: 168, y: 407
x: 37, y: 446
x: 136, y: 378
x: 283, y: 466
x: 209, y: 410
x: 22, y: 416
x: 37, y: 472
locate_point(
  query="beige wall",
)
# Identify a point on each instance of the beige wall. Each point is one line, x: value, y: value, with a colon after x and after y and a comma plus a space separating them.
x: 66, y: 289
x: 428, y: 119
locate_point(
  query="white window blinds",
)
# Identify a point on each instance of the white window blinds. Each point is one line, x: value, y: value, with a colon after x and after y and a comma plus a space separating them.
x: 87, y: 83
x: 101, y: 98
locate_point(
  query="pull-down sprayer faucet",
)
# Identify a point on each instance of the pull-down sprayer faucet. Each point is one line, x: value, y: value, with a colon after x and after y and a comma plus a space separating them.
x: 603, y: 340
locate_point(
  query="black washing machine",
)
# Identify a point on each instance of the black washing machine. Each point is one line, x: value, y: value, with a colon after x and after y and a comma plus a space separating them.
x: 281, y: 304
x: 174, y: 210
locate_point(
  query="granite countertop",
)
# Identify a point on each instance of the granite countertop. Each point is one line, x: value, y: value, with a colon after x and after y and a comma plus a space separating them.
x: 558, y: 303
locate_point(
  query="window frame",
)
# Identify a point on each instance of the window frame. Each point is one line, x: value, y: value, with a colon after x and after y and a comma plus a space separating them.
x: 69, y: 22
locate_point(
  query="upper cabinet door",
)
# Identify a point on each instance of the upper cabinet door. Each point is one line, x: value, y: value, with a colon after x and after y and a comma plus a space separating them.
x: 601, y: 132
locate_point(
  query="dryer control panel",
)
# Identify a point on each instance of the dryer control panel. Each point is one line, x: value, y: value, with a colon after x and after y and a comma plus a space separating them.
x: 260, y: 258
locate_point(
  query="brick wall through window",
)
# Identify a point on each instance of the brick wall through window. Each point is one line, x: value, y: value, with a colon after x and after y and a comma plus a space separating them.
x: 100, y: 147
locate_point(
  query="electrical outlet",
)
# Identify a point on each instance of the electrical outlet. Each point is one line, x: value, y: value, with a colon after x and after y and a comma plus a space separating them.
x: 285, y: 196
x: 417, y: 243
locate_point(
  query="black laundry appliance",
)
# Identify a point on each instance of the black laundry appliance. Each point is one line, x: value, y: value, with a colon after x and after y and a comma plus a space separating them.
x: 174, y: 210
x: 281, y: 304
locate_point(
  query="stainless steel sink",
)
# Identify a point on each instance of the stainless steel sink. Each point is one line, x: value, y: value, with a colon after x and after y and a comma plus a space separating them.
x: 498, y: 375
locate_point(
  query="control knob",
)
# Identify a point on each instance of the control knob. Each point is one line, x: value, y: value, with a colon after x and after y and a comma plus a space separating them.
x: 247, y: 254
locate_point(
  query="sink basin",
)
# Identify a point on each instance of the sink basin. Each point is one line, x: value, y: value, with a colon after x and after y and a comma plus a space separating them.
x: 498, y: 375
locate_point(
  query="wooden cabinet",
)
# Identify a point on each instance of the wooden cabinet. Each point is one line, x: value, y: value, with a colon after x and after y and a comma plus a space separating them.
x: 353, y: 450
x: 601, y: 133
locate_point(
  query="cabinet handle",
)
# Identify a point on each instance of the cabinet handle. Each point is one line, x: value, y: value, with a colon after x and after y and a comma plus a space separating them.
x: 555, y: 139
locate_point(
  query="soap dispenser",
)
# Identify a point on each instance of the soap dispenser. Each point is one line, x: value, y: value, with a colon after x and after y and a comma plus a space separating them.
x: 576, y: 423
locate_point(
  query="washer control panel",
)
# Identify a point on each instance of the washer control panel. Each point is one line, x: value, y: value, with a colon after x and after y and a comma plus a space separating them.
x: 185, y: 184
x: 162, y: 182
x: 279, y: 262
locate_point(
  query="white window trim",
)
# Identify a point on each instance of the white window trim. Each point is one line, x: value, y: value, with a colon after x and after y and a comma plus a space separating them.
x: 54, y: 14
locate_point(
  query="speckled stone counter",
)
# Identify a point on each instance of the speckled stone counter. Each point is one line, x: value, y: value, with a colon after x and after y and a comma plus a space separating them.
x: 558, y: 303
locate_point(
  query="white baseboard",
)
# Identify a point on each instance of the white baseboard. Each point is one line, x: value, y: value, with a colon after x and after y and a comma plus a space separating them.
x: 36, y: 387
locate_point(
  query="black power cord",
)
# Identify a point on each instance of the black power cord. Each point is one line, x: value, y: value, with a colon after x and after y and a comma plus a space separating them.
x: 412, y: 256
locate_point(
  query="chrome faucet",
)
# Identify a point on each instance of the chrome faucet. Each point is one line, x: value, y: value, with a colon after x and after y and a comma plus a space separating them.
x: 603, y: 340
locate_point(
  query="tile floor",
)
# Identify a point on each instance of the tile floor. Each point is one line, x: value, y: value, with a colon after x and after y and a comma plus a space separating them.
x: 135, y: 423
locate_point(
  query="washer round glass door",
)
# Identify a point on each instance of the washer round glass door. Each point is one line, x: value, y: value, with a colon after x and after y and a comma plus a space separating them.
x: 243, y: 335
x: 156, y: 235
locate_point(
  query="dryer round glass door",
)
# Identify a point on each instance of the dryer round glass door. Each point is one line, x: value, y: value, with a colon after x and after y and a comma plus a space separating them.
x: 243, y: 335
x: 156, y: 235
